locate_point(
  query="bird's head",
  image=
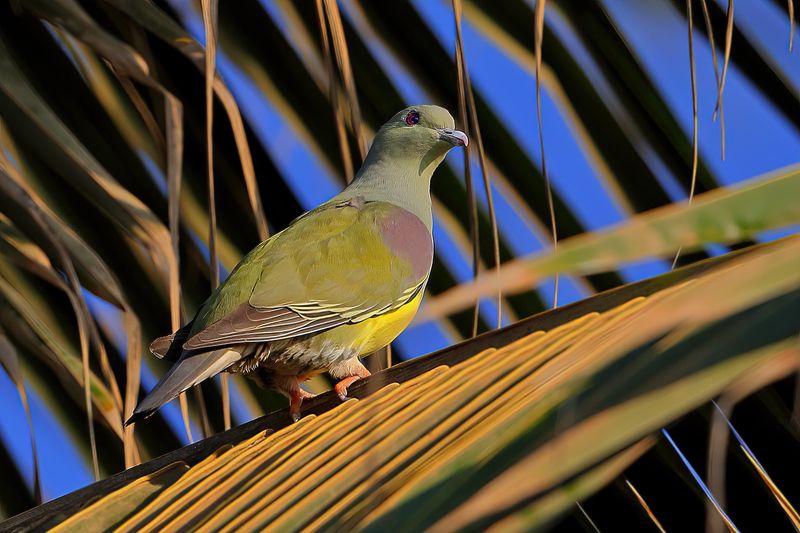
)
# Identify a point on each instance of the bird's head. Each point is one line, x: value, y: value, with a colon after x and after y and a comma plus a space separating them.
x: 402, y: 159
x: 422, y: 134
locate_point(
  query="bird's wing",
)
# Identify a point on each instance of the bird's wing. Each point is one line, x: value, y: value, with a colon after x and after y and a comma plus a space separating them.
x: 338, y: 264
x: 170, y: 347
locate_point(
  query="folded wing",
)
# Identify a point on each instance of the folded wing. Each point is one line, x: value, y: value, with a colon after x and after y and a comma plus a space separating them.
x: 337, y: 265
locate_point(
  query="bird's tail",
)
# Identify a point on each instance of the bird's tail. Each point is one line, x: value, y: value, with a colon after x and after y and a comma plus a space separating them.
x: 191, y: 369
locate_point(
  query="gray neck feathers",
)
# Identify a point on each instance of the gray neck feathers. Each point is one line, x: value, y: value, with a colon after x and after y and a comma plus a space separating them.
x: 401, y: 181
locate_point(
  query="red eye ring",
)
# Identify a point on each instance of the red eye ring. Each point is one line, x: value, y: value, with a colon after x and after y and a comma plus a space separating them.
x: 412, y: 118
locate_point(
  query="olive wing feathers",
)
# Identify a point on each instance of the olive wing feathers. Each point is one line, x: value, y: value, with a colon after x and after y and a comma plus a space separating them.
x: 336, y: 265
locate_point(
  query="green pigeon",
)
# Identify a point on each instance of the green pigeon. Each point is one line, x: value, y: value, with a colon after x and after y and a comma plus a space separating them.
x: 342, y: 281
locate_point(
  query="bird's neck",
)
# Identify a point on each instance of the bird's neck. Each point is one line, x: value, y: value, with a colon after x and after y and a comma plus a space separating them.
x: 405, y: 183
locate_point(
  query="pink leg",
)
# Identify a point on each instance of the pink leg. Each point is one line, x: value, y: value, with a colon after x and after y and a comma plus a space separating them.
x: 289, y: 386
x: 296, y: 400
x: 347, y: 372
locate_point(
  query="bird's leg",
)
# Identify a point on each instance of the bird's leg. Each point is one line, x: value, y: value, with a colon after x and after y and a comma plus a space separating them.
x: 347, y: 372
x: 289, y: 386
x: 296, y: 400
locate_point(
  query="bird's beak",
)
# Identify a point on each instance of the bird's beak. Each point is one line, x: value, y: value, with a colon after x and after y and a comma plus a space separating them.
x: 454, y: 137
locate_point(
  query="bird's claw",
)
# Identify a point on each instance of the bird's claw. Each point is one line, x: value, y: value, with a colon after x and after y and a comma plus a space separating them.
x: 341, y: 387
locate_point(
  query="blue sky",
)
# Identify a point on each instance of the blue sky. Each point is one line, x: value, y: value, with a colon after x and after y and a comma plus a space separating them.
x: 758, y: 140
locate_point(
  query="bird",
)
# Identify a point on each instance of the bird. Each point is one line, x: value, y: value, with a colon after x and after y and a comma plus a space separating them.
x: 340, y: 282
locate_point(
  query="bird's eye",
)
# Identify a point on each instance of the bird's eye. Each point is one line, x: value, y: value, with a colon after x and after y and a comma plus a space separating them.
x: 412, y: 118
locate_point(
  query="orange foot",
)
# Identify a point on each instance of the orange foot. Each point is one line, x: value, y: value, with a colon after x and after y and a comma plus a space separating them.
x: 348, y: 373
x: 289, y: 386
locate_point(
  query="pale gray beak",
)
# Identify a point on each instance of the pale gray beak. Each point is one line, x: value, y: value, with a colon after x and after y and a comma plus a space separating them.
x: 454, y: 137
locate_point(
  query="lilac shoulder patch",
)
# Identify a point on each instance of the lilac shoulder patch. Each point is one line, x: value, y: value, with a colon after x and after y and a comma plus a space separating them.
x: 407, y: 236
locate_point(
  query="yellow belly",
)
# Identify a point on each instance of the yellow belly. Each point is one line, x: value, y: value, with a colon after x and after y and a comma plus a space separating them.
x: 371, y: 334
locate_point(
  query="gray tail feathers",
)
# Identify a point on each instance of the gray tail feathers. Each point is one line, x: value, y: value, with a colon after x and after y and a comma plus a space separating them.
x: 191, y: 369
